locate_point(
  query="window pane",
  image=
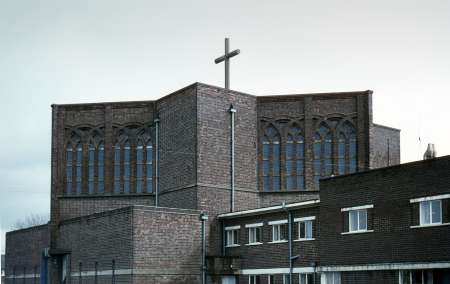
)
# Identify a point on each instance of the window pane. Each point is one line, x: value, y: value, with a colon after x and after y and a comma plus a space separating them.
x: 149, y: 167
x: 436, y: 211
x: 353, y: 220
x: 69, y: 161
x: 362, y: 219
x: 79, y: 171
x: 424, y: 212
x: 266, y: 183
x: 301, y: 232
x: 300, y: 149
x: 126, y: 168
x: 308, y: 229
x: 91, y: 168
x: 290, y: 185
x: 328, y: 146
x: 276, y: 183
x: 101, y: 169
x: 117, y: 168
x: 276, y: 159
x: 266, y: 147
x: 317, y: 149
x: 290, y: 150
x: 328, y: 167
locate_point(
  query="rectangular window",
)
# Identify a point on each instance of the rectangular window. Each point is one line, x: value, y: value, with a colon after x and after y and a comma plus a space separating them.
x: 357, y: 220
x: 254, y: 233
x: 279, y: 232
x: 270, y: 279
x: 232, y: 236
x: 431, y: 212
x: 305, y: 278
x: 285, y: 278
x: 254, y: 279
x: 331, y: 278
x: 305, y: 230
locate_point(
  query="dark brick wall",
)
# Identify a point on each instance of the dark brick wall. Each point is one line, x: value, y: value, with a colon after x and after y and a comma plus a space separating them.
x: 274, y: 255
x: 72, y: 207
x: 100, y: 238
x: 384, y: 146
x: 167, y: 245
x: 277, y: 198
x: 389, y: 190
x: 23, y: 251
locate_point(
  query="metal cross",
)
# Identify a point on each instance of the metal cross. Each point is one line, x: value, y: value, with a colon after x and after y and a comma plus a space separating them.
x: 226, y: 58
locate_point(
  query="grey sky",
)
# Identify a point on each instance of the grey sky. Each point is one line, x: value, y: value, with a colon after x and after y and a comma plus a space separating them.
x: 91, y: 50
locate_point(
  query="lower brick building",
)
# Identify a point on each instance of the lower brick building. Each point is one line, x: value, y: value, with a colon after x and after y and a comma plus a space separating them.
x: 214, y: 185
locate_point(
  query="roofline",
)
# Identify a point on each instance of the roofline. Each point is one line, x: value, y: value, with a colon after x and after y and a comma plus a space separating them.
x: 323, y: 94
x: 265, y: 210
x: 387, y: 127
x: 388, y: 168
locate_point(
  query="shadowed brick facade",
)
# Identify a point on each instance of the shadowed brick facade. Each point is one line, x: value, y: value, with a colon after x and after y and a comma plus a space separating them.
x: 105, y: 226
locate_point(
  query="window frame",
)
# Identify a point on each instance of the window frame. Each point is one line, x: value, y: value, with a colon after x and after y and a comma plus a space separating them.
x: 309, y: 277
x: 429, y: 205
x: 254, y: 228
x: 358, y: 210
x: 305, y: 220
x: 278, y: 224
x: 429, y: 200
x: 230, y: 235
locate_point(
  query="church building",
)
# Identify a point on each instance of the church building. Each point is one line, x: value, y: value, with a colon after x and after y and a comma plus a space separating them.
x: 210, y: 185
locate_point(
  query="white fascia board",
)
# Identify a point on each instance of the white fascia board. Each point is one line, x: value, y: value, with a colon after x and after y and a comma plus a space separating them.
x: 368, y: 206
x: 309, y: 218
x: 254, y: 225
x: 278, y: 222
x: 428, y: 198
x: 232, y: 228
x: 269, y: 209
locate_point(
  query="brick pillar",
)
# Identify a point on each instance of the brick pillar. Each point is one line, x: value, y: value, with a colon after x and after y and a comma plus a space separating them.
x: 309, y: 134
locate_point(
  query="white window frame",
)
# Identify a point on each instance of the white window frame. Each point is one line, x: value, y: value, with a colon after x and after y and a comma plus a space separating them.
x: 333, y: 280
x: 307, y: 277
x: 252, y: 229
x: 429, y: 205
x: 250, y: 277
x: 286, y: 278
x: 305, y: 220
x: 229, y: 232
x: 358, y: 210
x: 268, y: 279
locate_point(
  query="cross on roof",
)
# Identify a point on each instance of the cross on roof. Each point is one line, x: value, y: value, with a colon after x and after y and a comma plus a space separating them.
x: 226, y: 57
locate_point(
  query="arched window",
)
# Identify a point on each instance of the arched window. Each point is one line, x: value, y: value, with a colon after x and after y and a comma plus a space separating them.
x: 271, y: 159
x: 91, y: 168
x: 149, y: 166
x: 139, y: 167
x: 79, y: 168
x: 101, y: 168
x: 347, y: 155
x: 295, y: 153
x: 69, y: 169
x: 323, y: 154
x: 117, y: 170
x: 126, y: 167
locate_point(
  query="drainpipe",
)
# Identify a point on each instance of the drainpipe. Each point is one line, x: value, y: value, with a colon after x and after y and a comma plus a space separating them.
x: 232, y: 111
x: 156, y: 121
x: 203, y: 219
x: 290, y: 242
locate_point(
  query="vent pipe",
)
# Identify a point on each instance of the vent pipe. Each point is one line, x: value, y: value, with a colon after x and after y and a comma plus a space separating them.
x: 430, y: 153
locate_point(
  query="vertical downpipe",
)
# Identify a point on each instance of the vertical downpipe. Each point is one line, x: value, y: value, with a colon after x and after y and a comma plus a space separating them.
x: 203, y: 219
x: 156, y: 121
x: 232, y: 113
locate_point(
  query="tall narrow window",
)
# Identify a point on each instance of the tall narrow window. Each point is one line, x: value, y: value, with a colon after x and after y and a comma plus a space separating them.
x: 79, y: 168
x: 101, y: 168
x: 295, y: 160
x: 126, y: 167
x: 117, y: 170
x: 323, y: 154
x: 91, y: 168
x: 139, y: 167
x: 347, y: 155
x: 271, y: 152
x: 149, y: 166
x: 69, y: 161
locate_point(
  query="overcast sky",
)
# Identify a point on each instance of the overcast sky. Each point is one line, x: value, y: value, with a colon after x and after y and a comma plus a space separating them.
x: 92, y: 51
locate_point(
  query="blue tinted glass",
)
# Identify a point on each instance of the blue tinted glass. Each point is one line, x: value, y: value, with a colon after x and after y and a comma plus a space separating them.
x: 300, y: 182
x: 300, y: 150
x: 290, y: 167
x: 79, y: 171
x: 276, y: 183
x: 91, y: 169
x: 353, y: 165
x: 149, y: 167
x: 341, y: 149
x: 317, y: 150
x: 139, y: 167
x: 266, y: 183
x: 317, y: 165
x: 117, y: 168
x: 290, y: 185
x: 266, y: 151
x: 101, y: 169
x: 276, y: 159
x: 328, y: 167
x: 328, y: 146
x: 266, y: 168
x: 300, y: 169
x: 323, y: 130
x: 352, y: 148
x: 341, y: 166
x: 290, y: 150
x: 126, y: 167
x: 69, y: 161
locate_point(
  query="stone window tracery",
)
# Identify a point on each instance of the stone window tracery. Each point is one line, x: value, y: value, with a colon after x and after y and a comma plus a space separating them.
x: 295, y: 153
x: 271, y: 159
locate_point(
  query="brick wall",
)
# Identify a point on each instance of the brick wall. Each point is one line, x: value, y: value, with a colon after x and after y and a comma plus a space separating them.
x: 389, y: 190
x: 384, y: 146
x: 23, y: 252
